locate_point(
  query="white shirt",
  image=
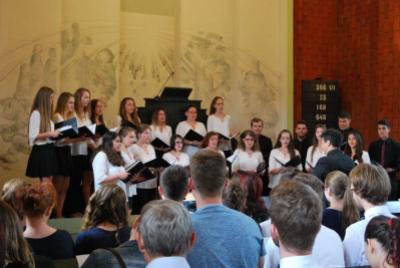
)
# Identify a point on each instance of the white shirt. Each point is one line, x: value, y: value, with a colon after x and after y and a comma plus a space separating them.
x: 299, y: 262
x: 168, y: 262
x: 214, y: 123
x: 183, y: 128
x: 164, y: 135
x: 310, y: 164
x: 34, y: 129
x: 245, y: 161
x: 129, y: 158
x: 145, y: 156
x: 354, y: 239
x: 365, y: 158
x: 327, y: 250
x: 81, y: 148
x: 183, y: 160
x: 275, y: 155
x: 57, y: 119
x: 102, y: 168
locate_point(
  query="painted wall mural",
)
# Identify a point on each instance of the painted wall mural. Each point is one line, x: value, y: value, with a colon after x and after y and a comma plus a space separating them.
x: 116, y: 52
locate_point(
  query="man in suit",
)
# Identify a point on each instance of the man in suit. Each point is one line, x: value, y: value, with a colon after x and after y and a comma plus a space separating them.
x: 265, y: 144
x: 344, y: 122
x: 302, y: 140
x: 334, y: 159
x: 386, y: 152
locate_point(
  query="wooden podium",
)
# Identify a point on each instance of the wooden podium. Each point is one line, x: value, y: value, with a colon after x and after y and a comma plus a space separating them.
x: 174, y: 101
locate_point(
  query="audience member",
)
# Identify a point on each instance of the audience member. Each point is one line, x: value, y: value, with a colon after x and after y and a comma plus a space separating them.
x: 334, y: 159
x: 302, y: 140
x: 165, y: 234
x: 371, y: 188
x: 386, y: 152
x: 254, y: 202
x: 225, y: 237
x: 296, y: 213
x: 234, y: 196
x: 105, y: 221
x: 174, y: 183
x: 382, y: 242
x: 10, y: 194
x: 37, y: 202
x: 342, y: 210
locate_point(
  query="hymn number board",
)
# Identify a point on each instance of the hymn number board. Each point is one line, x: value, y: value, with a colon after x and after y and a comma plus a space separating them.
x: 320, y: 102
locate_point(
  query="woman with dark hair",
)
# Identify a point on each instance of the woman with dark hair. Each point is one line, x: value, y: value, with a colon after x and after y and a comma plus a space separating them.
x: 342, y: 210
x: 105, y: 221
x: 247, y: 157
x: 176, y: 156
x: 354, y: 148
x: 96, y: 111
x: 37, y: 202
x: 382, y: 242
x: 108, y: 165
x: 314, y: 152
x: 283, y: 155
x: 128, y: 114
x: 254, y: 204
x: 211, y: 142
x: 191, y: 123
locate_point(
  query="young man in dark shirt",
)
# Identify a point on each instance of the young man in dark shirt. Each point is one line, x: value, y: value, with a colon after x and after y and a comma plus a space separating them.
x: 386, y: 152
x: 344, y: 122
x: 302, y: 140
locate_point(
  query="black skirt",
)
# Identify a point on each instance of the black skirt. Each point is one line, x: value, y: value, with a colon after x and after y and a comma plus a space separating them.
x: 42, y: 161
x: 64, y: 161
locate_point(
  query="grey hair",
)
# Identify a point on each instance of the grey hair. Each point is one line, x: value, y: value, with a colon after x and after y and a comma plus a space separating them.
x: 174, y: 182
x: 166, y: 228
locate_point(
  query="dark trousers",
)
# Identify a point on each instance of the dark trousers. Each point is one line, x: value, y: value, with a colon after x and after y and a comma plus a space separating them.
x: 394, y: 193
x: 74, y: 200
x: 142, y: 198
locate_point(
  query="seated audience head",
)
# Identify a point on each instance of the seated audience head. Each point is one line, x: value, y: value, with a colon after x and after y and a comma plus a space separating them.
x: 207, y: 171
x: 177, y: 143
x: 344, y: 120
x: 37, y: 201
x: 164, y: 229
x: 287, y: 173
x: 211, y: 140
x: 234, y: 196
x: 14, y: 249
x: 370, y: 185
x: 217, y: 104
x: 106, y: 205
x: 383, y: 129
x: 254, y: 202
x: 382, y: 242
x: 301, y: 129
x: 127, y: 136
x: 257, y: 125
x: 296, y: 215
x: 248, y: 141
x: 331, y: 139
x: 159, y: 117
x: 312, y: 181
x: 174, y: 183
x: 11, y: 191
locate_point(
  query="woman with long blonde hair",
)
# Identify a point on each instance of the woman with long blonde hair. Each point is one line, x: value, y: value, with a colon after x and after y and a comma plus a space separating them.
x: 42, y: 161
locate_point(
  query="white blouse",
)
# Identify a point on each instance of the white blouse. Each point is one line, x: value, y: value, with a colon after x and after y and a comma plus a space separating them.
x: 164, y: 135
x: 81, y: 148
x: 183, y: 159
x: 129, y: 158
x: 310, y: 164
x: 145, y: 156
x: 34, y: 129
x: 245, y: 161
x: 214, y: 123
x: 365, y: 158
x: 183, y: 128
x: 275, y: 156
x: 102, y: 168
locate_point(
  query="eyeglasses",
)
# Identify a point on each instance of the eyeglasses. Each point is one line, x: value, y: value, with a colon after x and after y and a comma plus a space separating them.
x: 248, y: 139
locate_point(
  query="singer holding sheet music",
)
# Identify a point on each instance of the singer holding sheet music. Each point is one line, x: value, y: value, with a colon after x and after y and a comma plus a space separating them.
x: 161, y: 131
x: 42, y: 160
x: 108, y: 164
x: 128, y: 114
x: 283, y: 155
x: 176, y: 156
x: 191, y: 123
x: 144, y: 152
x: 64, y: 111
x: 315, y: 152
x: 247, y: 157
x: 220, y: 122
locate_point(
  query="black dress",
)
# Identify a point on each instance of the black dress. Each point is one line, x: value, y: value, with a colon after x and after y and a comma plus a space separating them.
x: 332, y: 219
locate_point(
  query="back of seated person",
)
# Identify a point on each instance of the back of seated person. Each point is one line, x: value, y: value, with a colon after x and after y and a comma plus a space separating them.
x: 105, y: 221
x: 10, y: 191
x: 37, y: 202
x: 342, y: 210
x: 174, y: 183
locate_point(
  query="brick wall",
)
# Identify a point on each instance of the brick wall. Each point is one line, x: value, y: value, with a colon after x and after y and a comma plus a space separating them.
x: 357, y: 43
